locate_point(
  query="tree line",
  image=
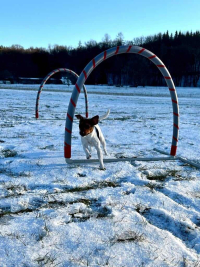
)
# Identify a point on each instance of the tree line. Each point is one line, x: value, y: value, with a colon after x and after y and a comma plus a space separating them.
x: 180, y: 53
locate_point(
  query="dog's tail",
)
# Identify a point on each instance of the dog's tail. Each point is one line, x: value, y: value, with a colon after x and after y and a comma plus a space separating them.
x: 104, y: 116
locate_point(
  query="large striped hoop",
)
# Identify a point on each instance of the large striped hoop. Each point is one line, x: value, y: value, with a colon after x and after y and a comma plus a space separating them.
x: 95, y: 62
x: 47, y: 78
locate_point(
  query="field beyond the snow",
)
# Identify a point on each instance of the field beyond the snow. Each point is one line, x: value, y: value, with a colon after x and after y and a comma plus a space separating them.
x: 139, y: 214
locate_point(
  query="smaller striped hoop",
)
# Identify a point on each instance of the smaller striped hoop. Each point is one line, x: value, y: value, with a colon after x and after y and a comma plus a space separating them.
x: 47, y: 78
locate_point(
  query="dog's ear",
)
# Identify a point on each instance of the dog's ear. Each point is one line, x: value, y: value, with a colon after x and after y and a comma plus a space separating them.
x: 95, y: 120
x: 79, y: 117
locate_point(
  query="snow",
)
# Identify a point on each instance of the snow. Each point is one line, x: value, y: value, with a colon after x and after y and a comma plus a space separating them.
x: 140, y: 214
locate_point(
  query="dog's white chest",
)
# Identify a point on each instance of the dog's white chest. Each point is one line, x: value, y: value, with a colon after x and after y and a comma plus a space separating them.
x: 90, y: 139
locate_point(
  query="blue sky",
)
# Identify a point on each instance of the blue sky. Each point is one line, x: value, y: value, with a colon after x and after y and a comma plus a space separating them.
x: 40, y: 23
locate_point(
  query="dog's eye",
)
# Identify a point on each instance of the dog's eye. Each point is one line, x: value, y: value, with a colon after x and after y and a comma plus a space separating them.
x: 87, y: 126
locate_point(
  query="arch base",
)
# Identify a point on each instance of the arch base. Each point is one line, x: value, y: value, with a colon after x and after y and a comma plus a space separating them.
x: 131, y: 160
x: 88, y: 161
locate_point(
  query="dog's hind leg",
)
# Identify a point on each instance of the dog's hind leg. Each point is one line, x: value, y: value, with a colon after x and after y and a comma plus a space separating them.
x: 103, y: 142
x: 104, y: 149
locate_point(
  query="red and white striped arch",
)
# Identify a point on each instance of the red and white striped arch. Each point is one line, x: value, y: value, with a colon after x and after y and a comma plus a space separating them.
x: 94, y: 63
x: 47, y: 78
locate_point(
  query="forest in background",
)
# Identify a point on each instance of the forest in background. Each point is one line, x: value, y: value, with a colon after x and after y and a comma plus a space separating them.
x: 180, y: 52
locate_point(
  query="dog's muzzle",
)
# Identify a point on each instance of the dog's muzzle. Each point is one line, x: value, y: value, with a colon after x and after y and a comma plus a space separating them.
x: 82, y: 133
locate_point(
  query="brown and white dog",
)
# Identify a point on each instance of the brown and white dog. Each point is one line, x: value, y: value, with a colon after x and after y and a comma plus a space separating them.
x: 91, y: 136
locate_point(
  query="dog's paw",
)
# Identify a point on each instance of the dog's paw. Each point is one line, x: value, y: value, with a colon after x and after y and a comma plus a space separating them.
x: 102, y: 168
x: 88, y: 157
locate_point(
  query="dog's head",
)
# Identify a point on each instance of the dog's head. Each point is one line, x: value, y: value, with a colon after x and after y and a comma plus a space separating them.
x: 86, y: 126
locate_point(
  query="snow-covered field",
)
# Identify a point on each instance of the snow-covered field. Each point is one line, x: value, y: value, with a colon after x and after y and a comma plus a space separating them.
x: 141, y: 214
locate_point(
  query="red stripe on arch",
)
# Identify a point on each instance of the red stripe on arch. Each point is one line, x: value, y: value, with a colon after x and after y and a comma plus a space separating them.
x: 69, y: 117
x: 173, y: 150
x: 105, y: 55
x: 176, y: 114
x: 142, y: 50
x: 172, y: 89
x: 129, y: 48
x: 93, y: 62
x: 175, y: 125
x: 85, y: 74
x: 73, y: 103
x: 67, y: 130
x: 175, y: 138
x: 160, y: 66
x: 67, y: 151
x: 174, y: 101
x: 78, y: 89
x: 152, y: 57
x: 117, y: 50
x: 167, y: 78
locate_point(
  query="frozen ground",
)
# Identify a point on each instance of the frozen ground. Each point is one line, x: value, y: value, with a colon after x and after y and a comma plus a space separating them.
x: 52, y: 214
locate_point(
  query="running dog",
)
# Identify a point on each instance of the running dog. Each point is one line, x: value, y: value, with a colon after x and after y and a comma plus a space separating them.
x: 91, y: 136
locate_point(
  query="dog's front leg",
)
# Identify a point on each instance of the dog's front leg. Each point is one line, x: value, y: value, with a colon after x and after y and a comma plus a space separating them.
x: 86, y: 150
